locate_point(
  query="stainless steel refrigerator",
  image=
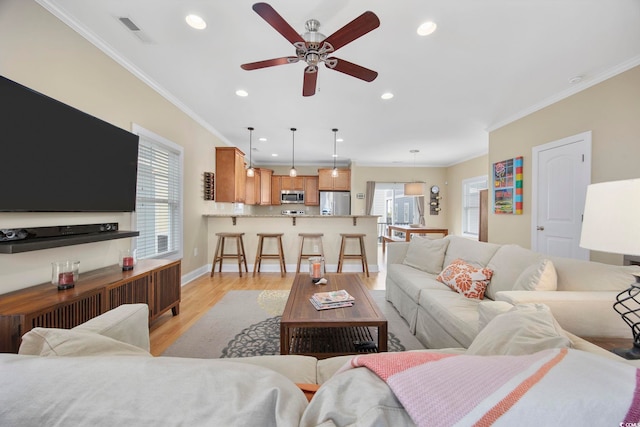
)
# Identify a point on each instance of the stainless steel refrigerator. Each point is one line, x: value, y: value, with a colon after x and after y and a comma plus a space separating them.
x: 335, y: 203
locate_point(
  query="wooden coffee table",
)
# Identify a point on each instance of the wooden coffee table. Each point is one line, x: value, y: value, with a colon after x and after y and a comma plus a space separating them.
x: 327, y: 333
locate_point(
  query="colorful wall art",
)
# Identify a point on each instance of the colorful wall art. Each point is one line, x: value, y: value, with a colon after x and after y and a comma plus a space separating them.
x: 507, y: 186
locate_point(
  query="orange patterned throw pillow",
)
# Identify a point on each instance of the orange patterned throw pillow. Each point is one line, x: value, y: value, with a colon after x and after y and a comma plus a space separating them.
x: 466, y: 279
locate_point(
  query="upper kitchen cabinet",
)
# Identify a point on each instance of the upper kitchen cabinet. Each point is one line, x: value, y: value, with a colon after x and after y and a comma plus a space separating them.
x: 291, y: 183
x: 230, y: 180
x: 311, y: 194
x: 258, y: 187
x: 340, y: 183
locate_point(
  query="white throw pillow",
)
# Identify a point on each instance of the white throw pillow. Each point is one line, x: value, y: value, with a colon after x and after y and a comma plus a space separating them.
x: 525, y: 329
x: 538, y: 277
x: 65, y: 342
x: 426, y: 254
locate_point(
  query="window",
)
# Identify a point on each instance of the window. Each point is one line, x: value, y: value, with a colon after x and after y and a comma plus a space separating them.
x: 158, y: 215
x: 471, y: 204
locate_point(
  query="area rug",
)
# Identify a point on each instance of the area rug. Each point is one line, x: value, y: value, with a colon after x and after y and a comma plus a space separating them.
x: 247, y: 323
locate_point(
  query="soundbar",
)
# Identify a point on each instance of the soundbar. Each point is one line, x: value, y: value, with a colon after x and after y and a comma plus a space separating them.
x: 13, y: 234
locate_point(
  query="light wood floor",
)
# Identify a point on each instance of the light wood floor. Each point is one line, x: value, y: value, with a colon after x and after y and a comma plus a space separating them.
x: 203, y: 293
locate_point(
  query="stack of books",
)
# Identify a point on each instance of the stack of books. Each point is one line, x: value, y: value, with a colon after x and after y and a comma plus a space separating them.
x: 333, y: 299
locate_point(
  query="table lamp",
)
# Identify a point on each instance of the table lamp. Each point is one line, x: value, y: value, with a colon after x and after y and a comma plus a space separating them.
x: 611, y: 223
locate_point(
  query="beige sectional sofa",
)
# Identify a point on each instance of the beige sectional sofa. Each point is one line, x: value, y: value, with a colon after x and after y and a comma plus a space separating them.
x: 580, y: 294
x: 102, y: 374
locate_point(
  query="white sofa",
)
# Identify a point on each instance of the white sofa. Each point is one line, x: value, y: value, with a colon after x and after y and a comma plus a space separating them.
x: 101, y: 374
x: 580, y: 294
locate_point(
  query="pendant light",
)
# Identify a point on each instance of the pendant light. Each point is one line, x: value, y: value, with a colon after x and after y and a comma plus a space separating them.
x: 293, y: 172
x: 414, y: 188
x: 334, y: 172
x: 250, y: 171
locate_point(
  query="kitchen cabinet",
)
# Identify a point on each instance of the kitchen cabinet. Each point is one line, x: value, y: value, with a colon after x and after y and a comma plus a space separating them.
x: 258, y: 187
x: 275, y: 190
x: 291, y: 183
x: 311, y: 193
x: 340, y: 183
x: 231, y: 175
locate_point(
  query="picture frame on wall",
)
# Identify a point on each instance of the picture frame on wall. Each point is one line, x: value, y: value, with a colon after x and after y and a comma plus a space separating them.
x: 507, y: 186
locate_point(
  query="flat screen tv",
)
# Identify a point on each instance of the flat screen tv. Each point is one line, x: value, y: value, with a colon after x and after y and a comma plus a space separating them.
x: 56, y: 158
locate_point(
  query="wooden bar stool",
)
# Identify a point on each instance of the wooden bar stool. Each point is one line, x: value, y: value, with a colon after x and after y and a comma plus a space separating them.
x: 362, y: 256
x: 279, y: 256
x: 220, y: 253
x: 315, y: 237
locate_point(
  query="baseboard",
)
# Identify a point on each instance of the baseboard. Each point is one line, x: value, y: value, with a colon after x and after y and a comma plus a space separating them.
x: 194, y: 274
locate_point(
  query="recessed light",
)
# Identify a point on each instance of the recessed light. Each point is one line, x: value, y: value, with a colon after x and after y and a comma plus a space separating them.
x: 339, y: 140
x: 263, y: 139
x: 196, y: 22
x: 334, y: 155
x: 576, y: 79
x: 274, y: 155
x: 386, y: 95
x: 426, y: 28
x: 242, y: 92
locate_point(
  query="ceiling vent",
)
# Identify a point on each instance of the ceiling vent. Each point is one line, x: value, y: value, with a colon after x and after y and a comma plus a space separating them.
x: 135, y: 30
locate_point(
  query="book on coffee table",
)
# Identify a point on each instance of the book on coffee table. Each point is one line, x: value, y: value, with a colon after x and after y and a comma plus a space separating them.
x: 333, y: 299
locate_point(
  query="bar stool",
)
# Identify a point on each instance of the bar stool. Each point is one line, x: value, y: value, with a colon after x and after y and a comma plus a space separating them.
x: 279, y: 256
x: 220, y: 254
x: 362, y: 256
x: 301, y: 254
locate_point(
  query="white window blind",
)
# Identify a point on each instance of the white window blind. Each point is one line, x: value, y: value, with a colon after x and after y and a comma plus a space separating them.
x: 471, y: 204
x: 158, y: 199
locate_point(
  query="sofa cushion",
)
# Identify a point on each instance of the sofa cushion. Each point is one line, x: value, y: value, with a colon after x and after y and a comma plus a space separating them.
x: 525, y: 329
x: 469, y: 280
x: 472, y: 251
x: 412, y: 280
x: 127, y: 323
x: 538, y: 277
x: 507, y: 264
x: 580, y: 275
x: 66, y: 342
x: 454, y: 313
x: 426, y: 254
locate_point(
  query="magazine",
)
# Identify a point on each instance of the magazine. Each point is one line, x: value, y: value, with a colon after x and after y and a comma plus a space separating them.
x: 333, y: 299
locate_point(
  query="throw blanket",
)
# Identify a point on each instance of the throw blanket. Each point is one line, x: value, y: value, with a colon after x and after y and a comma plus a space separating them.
x: 553, y: 387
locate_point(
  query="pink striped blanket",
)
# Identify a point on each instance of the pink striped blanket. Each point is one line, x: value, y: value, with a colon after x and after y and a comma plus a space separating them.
x: 553, y: 387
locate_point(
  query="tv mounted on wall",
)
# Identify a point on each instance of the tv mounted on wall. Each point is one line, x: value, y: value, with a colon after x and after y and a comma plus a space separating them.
x: 56, y: 158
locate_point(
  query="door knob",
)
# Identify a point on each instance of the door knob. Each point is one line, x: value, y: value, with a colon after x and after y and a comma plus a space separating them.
x: 540, y: 228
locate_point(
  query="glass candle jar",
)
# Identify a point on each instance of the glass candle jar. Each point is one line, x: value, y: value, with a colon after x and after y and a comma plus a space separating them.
x: 316, y: 268
x: 127, y: 259
x: 64, y: 274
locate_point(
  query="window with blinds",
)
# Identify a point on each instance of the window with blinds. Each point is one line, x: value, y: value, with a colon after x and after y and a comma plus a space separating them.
x: 471, y: 204
x: 158, y: 199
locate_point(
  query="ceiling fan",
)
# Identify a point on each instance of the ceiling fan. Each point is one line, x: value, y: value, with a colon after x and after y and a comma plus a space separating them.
x: 314, y: 47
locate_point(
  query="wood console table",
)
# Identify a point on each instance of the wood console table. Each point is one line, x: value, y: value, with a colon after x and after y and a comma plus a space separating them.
x: 408, y: 231
x: 152, y: 282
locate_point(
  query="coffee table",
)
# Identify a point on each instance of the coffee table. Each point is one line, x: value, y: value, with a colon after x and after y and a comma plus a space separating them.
x: 327, y: 333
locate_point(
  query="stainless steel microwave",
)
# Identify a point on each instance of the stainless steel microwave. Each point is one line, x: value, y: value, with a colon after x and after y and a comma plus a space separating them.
x: 291, y: 196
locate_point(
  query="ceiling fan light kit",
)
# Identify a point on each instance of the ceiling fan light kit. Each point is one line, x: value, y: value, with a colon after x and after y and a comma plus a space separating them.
x: 313, y: 47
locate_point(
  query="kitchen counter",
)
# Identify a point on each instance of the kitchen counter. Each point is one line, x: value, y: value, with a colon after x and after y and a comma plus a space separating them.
x: 291, y: 225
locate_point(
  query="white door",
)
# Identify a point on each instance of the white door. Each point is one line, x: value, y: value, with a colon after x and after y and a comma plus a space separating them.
x: 561, y: 174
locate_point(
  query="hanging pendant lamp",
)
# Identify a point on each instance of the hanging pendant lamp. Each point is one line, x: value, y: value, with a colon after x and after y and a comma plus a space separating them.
x: 415, y: 188
x: 250, y: 171
x: 334, y: 172
x: 293, y: 172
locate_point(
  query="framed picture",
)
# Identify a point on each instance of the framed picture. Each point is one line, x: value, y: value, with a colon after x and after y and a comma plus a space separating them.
x: 507, y: 186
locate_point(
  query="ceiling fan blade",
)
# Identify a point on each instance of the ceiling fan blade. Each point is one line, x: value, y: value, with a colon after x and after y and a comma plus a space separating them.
x: 269, y: 63
x: 360, y: 26
x: 351, y: 69
x: 277, y: 22
x: 310, y: 78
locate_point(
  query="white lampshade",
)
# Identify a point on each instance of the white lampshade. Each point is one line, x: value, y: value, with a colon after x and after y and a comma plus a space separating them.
x: 611, y: 220
x: 414, y: 189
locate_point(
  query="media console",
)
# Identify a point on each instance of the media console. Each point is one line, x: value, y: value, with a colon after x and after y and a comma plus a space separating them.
x: 152, y: 282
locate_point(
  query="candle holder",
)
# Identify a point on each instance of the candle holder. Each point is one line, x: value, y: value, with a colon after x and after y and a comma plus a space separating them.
x: 64, y: 274
x: 316, y: 268
x: 128, y: 259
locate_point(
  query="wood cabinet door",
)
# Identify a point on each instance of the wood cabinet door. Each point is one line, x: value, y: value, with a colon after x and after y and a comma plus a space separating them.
x: 265, y: 186
x: 325, y: 181
x: 240, y: 178
x: 343, y: 181
x: 252, y: 188
x: 275, y: 189
x: 292, y: 183
x: 311, y: 194
x: 230, y: 175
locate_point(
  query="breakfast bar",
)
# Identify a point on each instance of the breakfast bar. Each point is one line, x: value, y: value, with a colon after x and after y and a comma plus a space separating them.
x: 331, y: 226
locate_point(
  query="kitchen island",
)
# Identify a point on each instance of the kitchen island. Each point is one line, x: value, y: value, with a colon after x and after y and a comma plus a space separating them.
x: 290, y: 225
